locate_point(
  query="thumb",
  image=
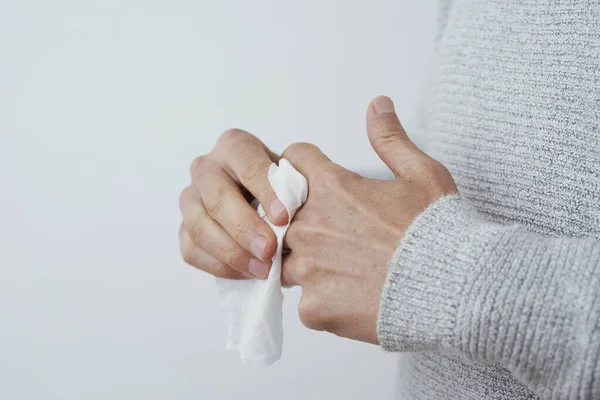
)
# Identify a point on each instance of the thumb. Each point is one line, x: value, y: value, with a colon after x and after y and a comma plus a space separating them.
x: 389, y: 139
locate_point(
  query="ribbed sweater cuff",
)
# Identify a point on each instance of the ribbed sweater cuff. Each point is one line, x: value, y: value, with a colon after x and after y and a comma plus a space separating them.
x: 428, y: 276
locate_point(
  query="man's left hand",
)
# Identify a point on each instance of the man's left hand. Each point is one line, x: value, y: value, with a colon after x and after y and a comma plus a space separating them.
x: 343, y: 237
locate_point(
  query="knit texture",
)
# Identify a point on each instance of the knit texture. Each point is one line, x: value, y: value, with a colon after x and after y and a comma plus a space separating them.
x: 496, y: 292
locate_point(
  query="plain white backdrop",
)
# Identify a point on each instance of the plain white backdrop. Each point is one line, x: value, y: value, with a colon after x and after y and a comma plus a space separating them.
x: 103, y: 105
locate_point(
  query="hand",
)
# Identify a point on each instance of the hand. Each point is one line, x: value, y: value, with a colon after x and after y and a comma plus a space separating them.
x: 343, y: 237
x: 221, y: 233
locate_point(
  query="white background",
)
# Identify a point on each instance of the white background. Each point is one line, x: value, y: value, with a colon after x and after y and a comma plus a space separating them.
x: 103, y: 104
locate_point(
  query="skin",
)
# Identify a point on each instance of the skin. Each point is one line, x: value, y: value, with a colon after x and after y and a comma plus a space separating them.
x: 340, y: 241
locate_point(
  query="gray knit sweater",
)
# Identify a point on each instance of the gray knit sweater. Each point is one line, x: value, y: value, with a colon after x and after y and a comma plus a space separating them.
x: 496, y: 292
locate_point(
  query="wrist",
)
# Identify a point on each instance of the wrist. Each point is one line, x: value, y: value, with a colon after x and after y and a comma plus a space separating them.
x: 429, y: 274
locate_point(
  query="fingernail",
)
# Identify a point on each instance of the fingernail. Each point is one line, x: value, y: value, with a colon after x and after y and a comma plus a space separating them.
x: 383, y: 105
x: 276, y: 208
x: 258, y: 268
x: 258, y: 245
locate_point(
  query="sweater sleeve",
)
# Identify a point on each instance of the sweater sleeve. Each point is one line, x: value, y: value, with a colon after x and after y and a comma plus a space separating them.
x: 497, y: 294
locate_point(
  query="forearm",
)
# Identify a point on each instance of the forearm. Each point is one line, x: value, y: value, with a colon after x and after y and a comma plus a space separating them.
x: 497, y: 294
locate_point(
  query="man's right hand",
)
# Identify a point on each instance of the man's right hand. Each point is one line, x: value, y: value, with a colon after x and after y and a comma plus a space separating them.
x: 221, y: 233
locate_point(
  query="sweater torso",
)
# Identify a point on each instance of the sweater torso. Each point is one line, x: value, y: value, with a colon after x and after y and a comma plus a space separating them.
x: 514, y: 113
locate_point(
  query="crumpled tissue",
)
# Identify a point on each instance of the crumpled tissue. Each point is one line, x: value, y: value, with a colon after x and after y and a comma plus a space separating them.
x: 254, y: 307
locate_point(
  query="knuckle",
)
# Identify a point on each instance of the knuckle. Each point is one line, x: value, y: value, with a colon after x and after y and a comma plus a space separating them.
x: 295, y: 148
x: 301, y: 234
x: 183, y: 197
x: 305, y: 270
x: 231, y: 136
x: 329, y: 180
x: 197, y: 230
x: 311, y: 313
x: 214, y: 205
x: 187, y: 252
x: 255, y: 169
x: 391, y: 134
x: 198, y: 165
x: 237, y: 231
x: 220, y: 269
x: 234, y: 257
x: 330, y: 177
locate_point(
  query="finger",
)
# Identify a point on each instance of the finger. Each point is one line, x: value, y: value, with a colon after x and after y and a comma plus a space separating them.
x: 199, y: 258
x: 306, y: 158
x: 206, y: 233
x: 288, y: 279
x: 247, y: 160
x: 225, y: 203
x: 297, y: 270
x: 299, y: 235
x: 389, y: 139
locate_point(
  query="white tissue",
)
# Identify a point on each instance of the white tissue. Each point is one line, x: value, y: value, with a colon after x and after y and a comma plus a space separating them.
x: 253, y: 307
